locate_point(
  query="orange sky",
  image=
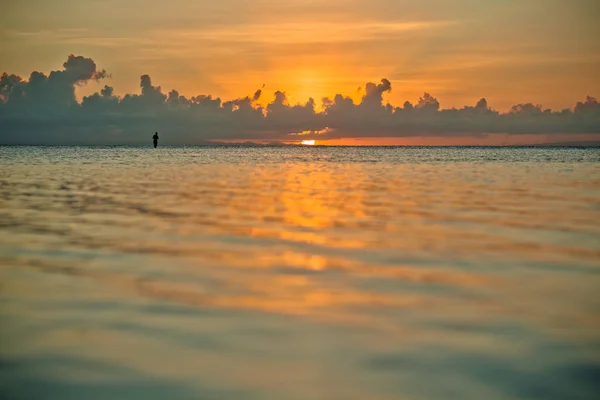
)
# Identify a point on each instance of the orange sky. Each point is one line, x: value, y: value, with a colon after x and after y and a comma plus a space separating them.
x: 488, y: 140
x: 491, y: 140
x: 512, y: 51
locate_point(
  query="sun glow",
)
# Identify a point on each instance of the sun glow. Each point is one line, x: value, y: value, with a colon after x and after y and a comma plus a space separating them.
x: 308, y: 142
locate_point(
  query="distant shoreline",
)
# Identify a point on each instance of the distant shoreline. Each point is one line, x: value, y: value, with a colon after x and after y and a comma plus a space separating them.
x: 249, y: 145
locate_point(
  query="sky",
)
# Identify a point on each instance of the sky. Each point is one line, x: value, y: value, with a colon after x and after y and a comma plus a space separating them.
x: 539, y: 52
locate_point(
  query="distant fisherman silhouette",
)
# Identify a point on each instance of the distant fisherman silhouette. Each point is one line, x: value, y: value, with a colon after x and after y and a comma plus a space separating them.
x: 155, y: 138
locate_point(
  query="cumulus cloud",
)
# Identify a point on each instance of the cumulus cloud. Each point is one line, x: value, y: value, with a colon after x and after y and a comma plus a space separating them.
x: 374, y: 93
x: 79, y: 69
x: 257, y: 94
x: 43, y: 110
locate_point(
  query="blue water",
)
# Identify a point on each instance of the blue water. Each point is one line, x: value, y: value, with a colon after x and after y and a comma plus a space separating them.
x: 299, y: 273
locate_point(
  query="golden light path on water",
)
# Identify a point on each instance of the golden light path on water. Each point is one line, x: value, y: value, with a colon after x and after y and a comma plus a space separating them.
x: 299, y: 273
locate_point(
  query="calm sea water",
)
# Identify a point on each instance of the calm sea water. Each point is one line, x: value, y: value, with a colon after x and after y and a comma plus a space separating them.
x: 299, y: 273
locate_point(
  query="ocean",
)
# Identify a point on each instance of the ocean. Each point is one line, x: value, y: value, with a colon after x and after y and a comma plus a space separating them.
x: 299, y: 273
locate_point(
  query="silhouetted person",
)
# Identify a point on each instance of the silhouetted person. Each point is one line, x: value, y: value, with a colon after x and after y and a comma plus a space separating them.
x: 155, y: 139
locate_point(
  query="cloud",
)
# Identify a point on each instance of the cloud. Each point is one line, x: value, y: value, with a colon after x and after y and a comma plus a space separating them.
x: 52, y: 93
x: 80, y: 69
x: 257, y: 94
x: 290, y: 33
x: 43, y: 110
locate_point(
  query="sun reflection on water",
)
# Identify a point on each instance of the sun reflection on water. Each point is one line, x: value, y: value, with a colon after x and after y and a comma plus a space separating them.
x: 347, y: 273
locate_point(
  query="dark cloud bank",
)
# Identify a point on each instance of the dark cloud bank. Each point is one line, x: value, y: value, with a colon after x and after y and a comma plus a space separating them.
x: 44, y: 110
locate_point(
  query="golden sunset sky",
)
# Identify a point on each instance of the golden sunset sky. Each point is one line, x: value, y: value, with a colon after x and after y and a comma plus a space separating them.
x: 511, y: 51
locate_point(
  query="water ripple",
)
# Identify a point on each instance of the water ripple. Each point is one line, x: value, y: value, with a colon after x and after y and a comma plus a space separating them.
x: 300, y: 273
